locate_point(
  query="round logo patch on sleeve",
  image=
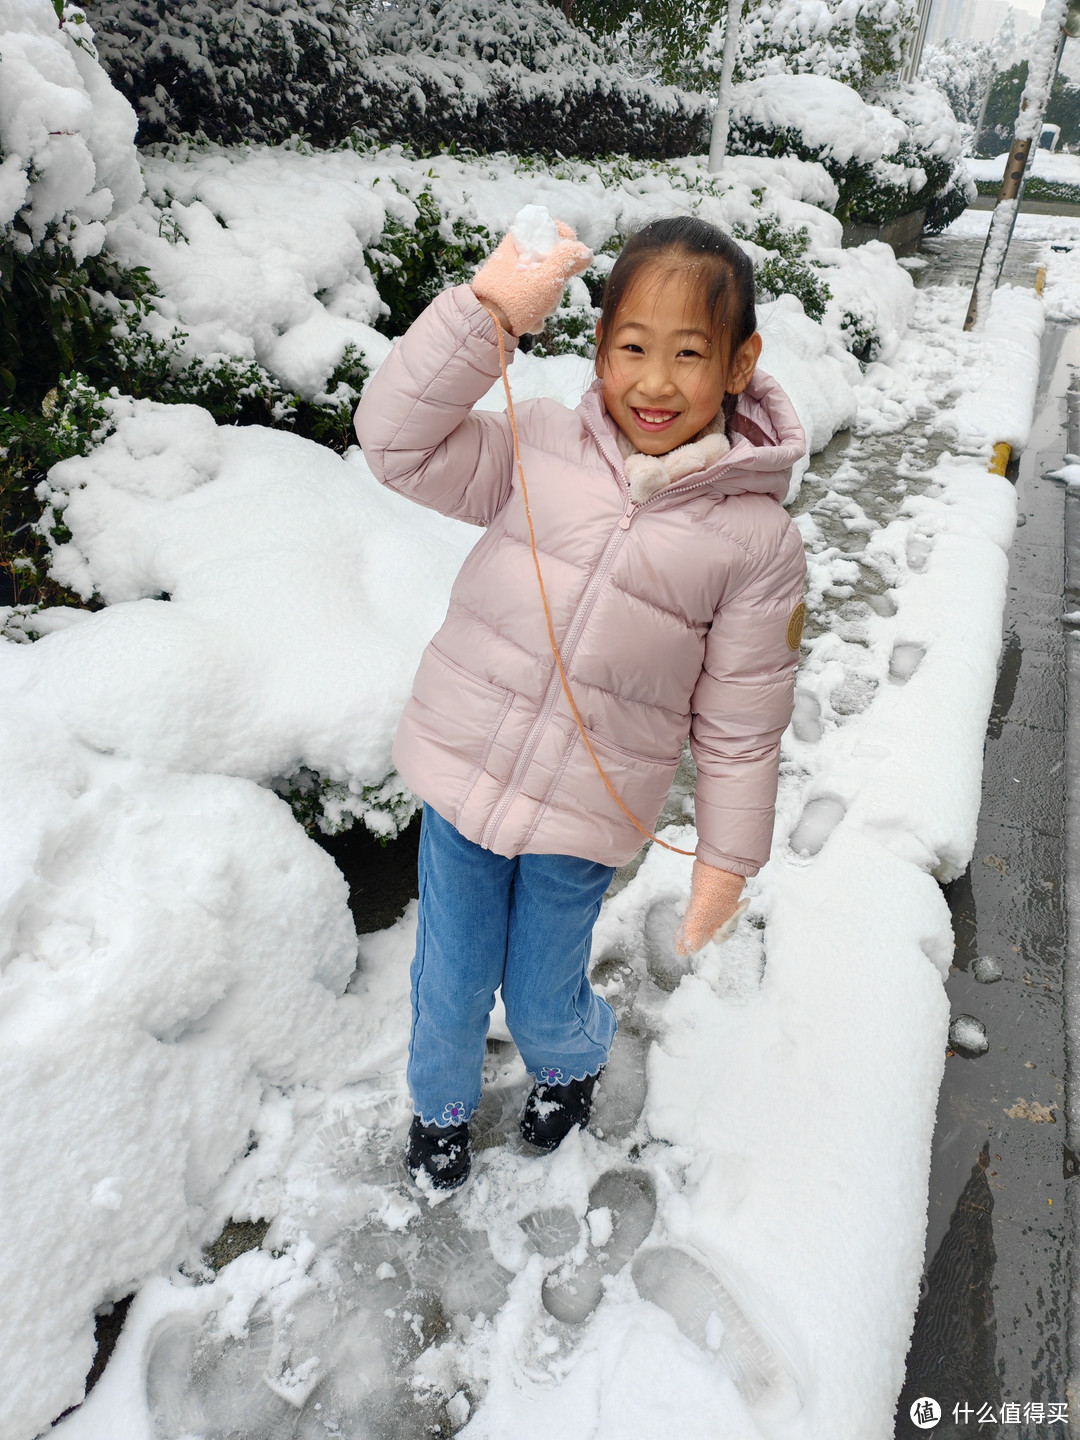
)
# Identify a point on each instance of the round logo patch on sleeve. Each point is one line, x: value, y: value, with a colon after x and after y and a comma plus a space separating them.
x: 795, y: 626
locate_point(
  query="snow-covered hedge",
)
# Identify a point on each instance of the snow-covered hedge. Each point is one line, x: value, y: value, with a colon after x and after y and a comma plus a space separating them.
x: 899, y: 153
x: 233, y: 69
x: 856, y: 43
x: 506, y: 75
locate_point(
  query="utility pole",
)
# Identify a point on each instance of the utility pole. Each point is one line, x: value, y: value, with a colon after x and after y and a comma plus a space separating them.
x: 910, y: 67
x: 1060, y: 18
x: 722, y: 113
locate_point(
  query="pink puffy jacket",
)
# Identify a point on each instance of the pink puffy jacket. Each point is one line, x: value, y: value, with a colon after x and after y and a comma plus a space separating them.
x: 674, y: 616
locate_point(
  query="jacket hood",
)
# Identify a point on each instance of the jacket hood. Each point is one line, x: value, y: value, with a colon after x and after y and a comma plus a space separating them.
x: 766, y: 440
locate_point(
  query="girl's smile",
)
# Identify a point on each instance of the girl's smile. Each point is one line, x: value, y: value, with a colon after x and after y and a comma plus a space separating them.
x: 664, y: 374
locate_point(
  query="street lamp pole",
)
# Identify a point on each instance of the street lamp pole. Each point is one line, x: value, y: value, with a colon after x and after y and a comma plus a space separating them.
x: 722, y: 113
x: 910, y: 67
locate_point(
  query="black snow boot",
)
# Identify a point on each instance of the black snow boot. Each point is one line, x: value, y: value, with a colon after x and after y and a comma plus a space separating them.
x: 552, y: 1111
x: 441, y: 1152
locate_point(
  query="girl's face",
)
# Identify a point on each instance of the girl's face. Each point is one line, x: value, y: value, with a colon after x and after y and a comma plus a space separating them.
x: 663, y: 375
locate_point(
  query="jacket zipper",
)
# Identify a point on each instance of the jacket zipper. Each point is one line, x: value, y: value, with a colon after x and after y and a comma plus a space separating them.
x: 573, y: 635
x: 554, y: 690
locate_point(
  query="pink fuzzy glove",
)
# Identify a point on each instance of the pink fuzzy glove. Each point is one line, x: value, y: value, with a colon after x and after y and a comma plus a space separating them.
x: 714, y: 903
x: 527, y: 294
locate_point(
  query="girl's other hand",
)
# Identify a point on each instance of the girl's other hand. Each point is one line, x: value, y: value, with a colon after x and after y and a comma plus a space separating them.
x: 520, y: 296
x: 714, y: 899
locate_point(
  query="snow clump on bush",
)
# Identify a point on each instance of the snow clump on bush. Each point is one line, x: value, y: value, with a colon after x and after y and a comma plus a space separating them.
x: 67, y: 139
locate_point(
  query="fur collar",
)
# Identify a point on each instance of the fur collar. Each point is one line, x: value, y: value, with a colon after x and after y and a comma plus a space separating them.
x: 649, y: 473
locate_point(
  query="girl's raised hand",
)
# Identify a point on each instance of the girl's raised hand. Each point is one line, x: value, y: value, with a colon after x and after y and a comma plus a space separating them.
x: 714, y: 902
x: 526, y: 293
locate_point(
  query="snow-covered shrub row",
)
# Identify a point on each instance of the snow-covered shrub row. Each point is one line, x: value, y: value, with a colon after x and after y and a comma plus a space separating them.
x: 856, y: 44
x: 515, y: 75
x: 899, y: 153
x: 506, y: 75
x: 234, y: 69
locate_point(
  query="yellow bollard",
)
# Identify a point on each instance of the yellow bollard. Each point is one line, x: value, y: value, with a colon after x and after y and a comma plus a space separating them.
x: 1002, y: 456
x: 1040, y: 279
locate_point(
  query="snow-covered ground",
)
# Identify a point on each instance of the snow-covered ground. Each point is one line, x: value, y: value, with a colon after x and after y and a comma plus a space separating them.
x: 1058, y: 238
x: 1047, y: 165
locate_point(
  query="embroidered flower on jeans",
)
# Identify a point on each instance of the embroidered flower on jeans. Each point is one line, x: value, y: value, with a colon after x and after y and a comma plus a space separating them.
x: 549, y: 1075
x: 454, y: 1113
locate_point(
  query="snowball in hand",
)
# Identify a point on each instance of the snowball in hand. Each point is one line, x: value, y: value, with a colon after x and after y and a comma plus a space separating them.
x: 535, y: 234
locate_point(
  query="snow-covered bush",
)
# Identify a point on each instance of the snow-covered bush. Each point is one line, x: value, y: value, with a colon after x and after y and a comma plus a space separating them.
x: 514, y: 75
x: 859, y: 42
x: 507, y: 74
x: 234, y: 69
x: 899, y: 153
x: 962, y: 70
x: 67, y: 164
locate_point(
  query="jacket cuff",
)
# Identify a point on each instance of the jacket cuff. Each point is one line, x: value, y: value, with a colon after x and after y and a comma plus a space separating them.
x: 479, y: 318
x: 709, y: 855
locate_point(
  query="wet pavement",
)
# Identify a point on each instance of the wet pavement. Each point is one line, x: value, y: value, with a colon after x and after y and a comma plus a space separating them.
x: 991, y: 1330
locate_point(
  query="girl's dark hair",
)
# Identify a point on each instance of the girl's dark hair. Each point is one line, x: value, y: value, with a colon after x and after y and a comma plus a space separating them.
x: 726, y: 274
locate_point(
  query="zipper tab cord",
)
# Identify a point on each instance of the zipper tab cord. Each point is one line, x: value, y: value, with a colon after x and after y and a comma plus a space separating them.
x: 547, y: 608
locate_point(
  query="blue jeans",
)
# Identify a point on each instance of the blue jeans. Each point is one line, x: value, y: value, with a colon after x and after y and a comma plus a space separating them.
x: 485, y: 921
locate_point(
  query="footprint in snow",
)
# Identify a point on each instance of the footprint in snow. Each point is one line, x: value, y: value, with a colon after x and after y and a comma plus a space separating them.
x: 708, y: 1313
x: 621, y: 1213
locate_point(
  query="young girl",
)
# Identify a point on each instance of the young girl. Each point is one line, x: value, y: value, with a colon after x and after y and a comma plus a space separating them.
x: 673, y: 578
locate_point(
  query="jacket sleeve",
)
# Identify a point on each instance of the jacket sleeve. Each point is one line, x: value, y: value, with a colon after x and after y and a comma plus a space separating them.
x: 742, y: 705
x: 415, y: 421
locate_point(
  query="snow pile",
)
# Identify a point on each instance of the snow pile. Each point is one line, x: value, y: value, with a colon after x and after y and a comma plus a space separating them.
x: 1003, y: 402
x: 831, y: 117
x: 173, y: 947
x: 67, y: 138
x: 209, y: 658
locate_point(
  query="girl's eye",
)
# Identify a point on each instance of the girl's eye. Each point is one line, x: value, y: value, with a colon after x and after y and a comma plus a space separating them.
x: 634, y: 349
x: 695, y: 354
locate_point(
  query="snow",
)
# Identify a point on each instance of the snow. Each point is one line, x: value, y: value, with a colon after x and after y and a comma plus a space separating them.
x: 239, y: 670
x: 1058, y: 238
x: 830, y: 116
x: 535, y: 234
x: 67, y: 136
x: 1002, y: 405
x: 218, y: 233
x: 1042, y: 52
